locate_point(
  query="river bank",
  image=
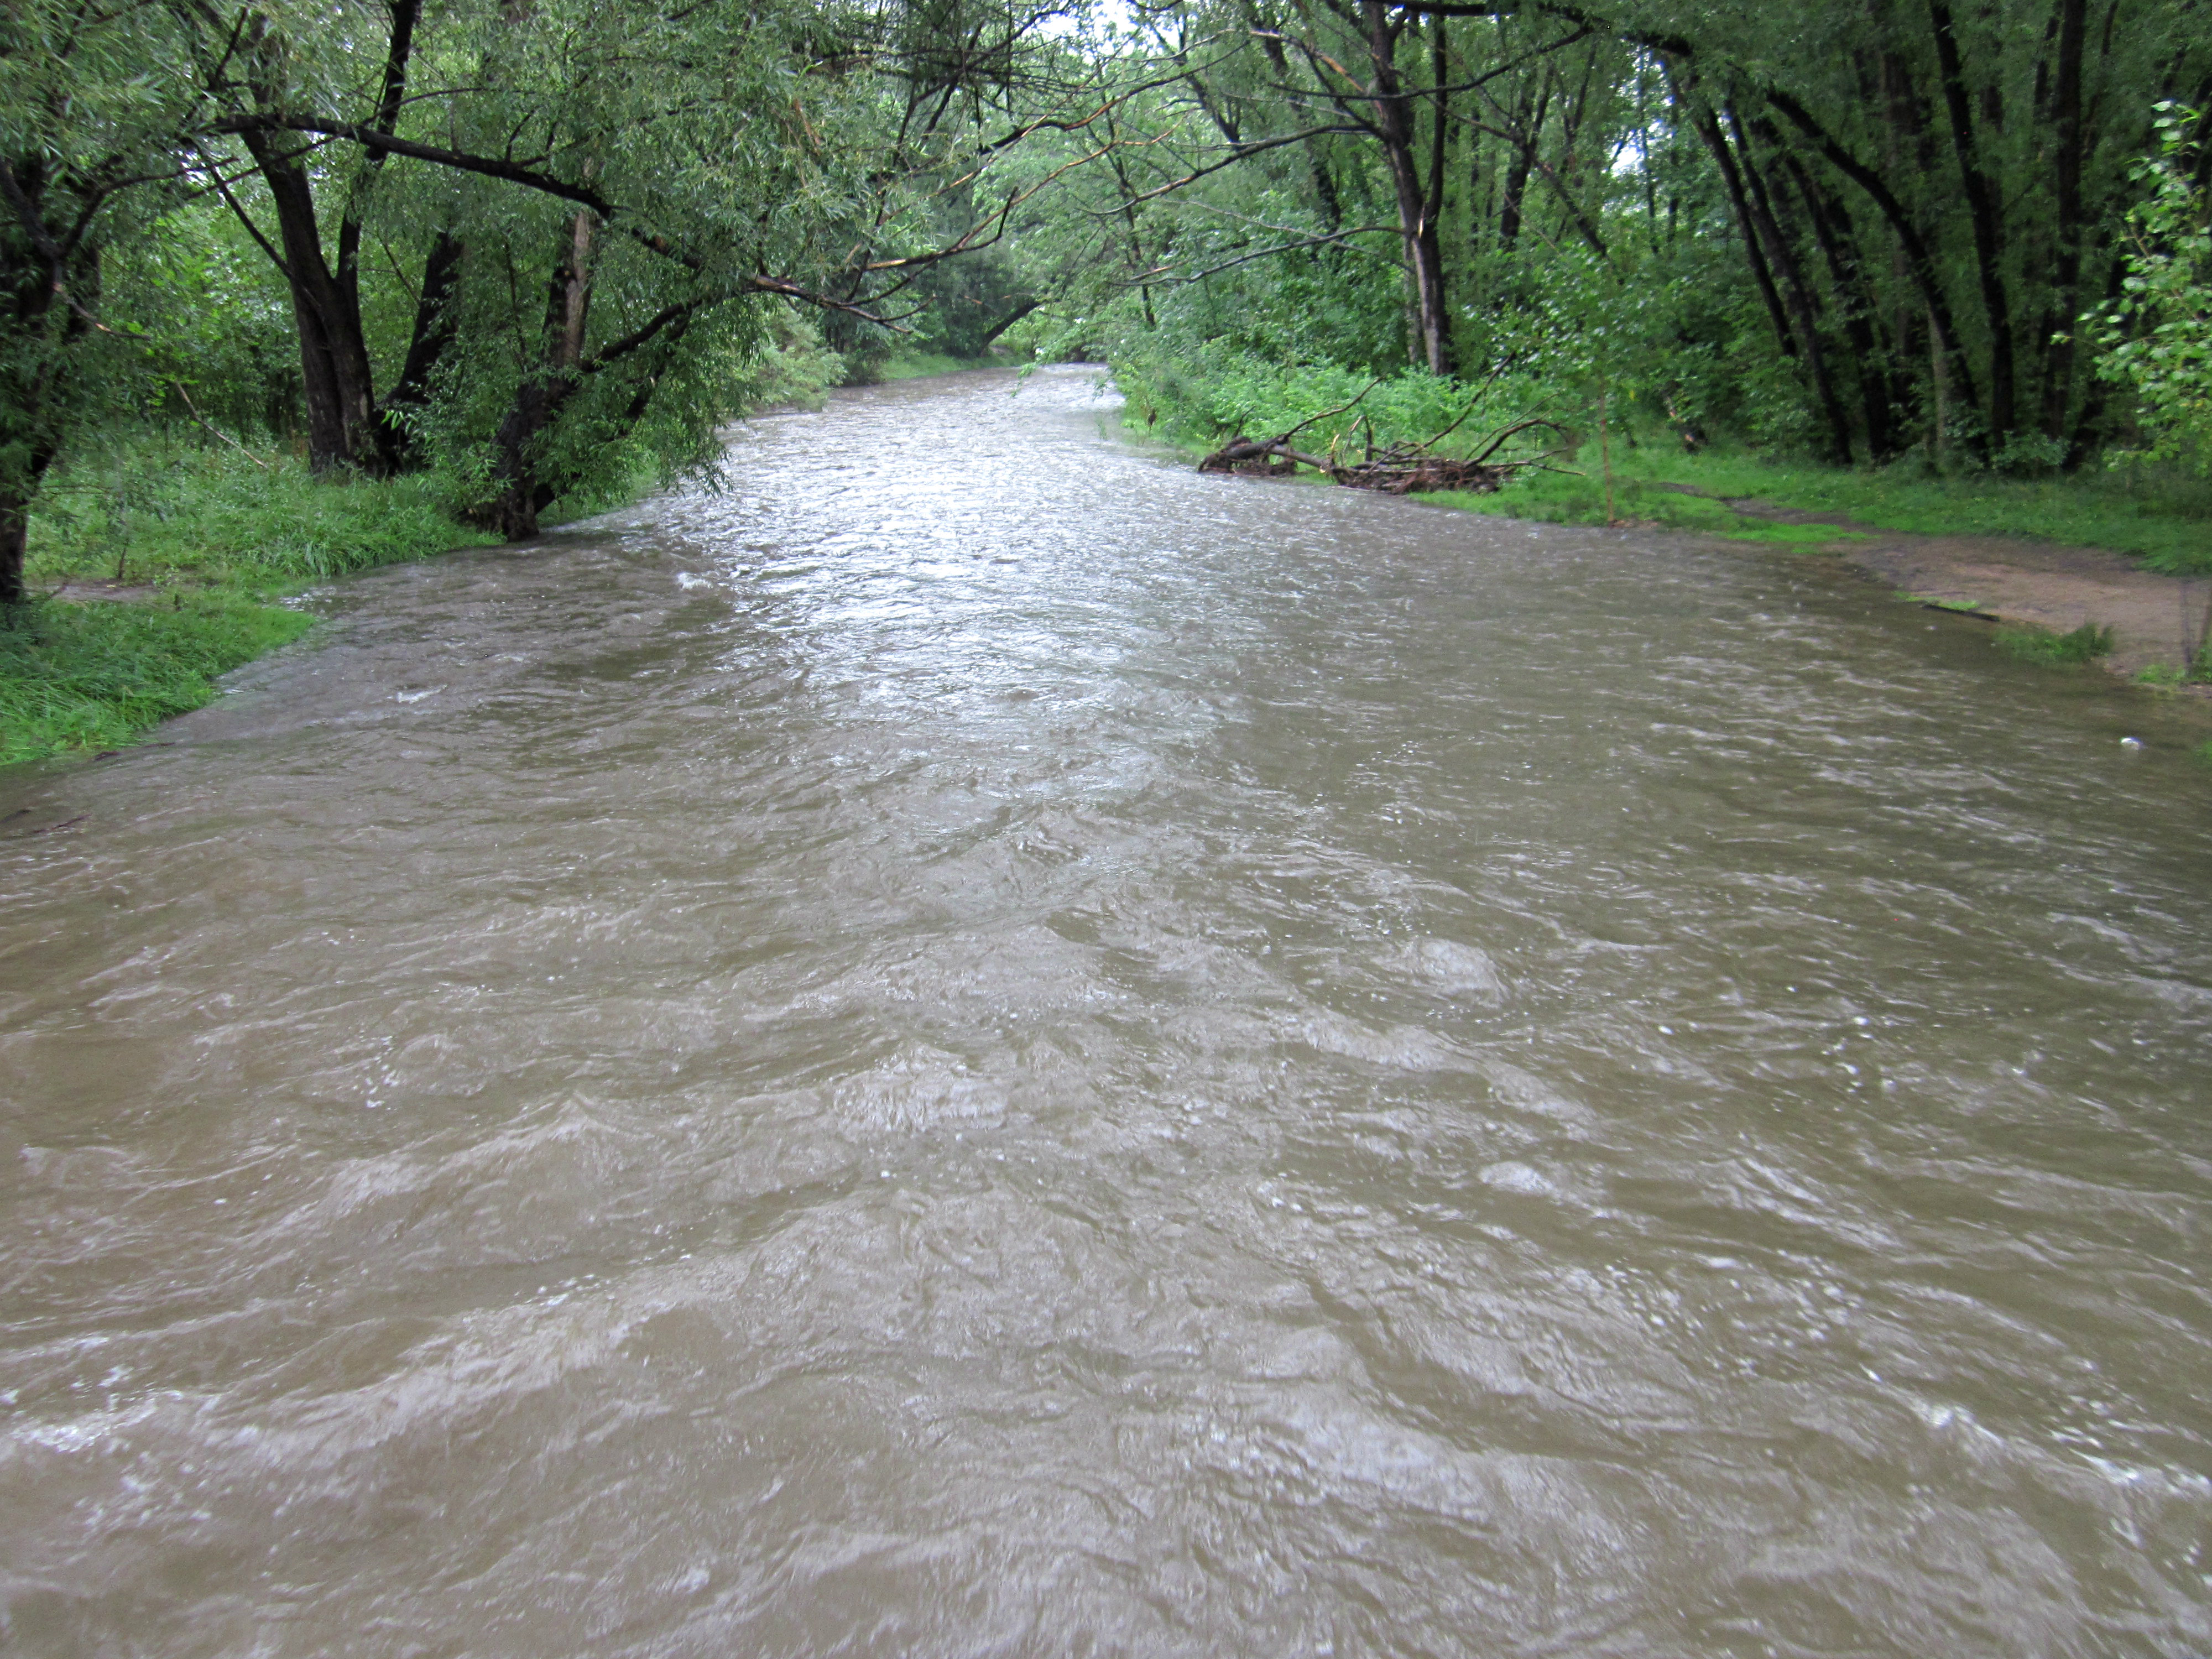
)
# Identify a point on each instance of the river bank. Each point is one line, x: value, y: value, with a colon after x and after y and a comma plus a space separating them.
x: 170, y: 560
x: 2153, y: 626
x: 175, y: 563
x: 158, y: 579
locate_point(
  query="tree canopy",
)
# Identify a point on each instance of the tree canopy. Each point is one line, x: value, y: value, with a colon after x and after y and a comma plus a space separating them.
x: 535, y: 246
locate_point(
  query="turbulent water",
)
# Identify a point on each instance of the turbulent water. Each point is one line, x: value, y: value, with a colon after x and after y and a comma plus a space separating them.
x: 975, y: 1044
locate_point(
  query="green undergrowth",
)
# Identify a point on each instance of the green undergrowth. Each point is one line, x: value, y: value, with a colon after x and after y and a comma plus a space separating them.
x: 1196, y: 400
x: 77, y: 677
x: 203, y: 539
x: 2030, y: 643
x: 2167, y: 677
x: 920, y: 365
x: 162, y: 509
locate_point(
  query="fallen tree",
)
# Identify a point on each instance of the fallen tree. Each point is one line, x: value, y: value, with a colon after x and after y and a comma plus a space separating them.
x: 1398, y: 469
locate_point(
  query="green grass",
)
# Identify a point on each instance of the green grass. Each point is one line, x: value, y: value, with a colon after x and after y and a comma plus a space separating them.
x: 2164, y: 520
x: 214, y: 536
x: 920, y: 365
x: 160, y: 509
x: 1561, y: 498
x: 2040, y: 645
x: 77, y: 677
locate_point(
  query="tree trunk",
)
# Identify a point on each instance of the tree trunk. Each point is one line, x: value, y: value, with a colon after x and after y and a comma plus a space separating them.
x: 1418, y: 232
x: 1919, y: 260
x: 2058, y: 322
x: 1529, y: 119
x: 1708, y: 128
x: 1984, y: 210
x: 40, y: 265
x: 1833, y: 232
x: 520, y: 493
x: 1001, y: 326
x: 14, y: 532
x: 334, y: 369
x: 343, y: 426
x: 436, y: 326
x: 1798, y: 297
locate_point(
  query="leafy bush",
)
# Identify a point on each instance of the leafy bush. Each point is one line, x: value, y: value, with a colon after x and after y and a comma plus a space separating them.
x: 1205, y: 394
x: 2040, y: 645
x: 2158, y: 335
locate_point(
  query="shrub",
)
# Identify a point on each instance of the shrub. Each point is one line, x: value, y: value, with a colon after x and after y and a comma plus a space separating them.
x: 2041, y: 645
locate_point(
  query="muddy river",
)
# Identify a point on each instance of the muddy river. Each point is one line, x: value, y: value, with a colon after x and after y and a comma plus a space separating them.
x: 971, y: 1043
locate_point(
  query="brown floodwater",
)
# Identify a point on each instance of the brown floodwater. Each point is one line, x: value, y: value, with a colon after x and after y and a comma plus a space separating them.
x: 972, y: 1043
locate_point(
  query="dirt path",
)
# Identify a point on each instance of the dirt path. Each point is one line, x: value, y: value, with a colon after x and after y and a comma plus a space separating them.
x: 80, y: 590
x: 2154, y: 619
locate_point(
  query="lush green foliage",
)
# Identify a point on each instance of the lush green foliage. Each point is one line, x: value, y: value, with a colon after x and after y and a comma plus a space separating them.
x: 293, y: 289
x: 1211, y: 391
x: 541, y: 250
x: 2158, y: 336
x: 1834, y: 233
x: 158, y: 505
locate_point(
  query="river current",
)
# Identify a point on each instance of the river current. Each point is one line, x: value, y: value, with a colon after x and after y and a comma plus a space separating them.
x: 972, y: 1043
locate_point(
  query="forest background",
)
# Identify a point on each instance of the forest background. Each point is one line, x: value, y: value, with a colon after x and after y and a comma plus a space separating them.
x: 291, y: 289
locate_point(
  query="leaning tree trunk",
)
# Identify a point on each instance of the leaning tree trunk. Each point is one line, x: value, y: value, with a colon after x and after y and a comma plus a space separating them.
x: 436, y: 326
x: 1987, y: 214
x: 519, y: 493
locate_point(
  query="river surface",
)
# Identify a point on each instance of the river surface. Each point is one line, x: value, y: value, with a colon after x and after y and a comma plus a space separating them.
x: 975, y: 1044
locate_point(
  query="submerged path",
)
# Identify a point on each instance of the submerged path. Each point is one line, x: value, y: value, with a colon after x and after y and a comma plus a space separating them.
x: 2154, y: 620
x: 975, y: 1044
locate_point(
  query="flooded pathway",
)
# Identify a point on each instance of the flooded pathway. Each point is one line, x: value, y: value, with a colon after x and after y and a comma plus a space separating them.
x: 975, y: 1044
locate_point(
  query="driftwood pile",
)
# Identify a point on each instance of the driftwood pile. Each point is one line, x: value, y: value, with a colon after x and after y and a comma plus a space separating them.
x: 1399, y: 469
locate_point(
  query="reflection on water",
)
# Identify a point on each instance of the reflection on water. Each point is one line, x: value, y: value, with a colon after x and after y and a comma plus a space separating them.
x: 973, y: 1044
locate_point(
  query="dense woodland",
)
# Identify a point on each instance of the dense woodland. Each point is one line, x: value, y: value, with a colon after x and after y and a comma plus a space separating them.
x: 536, y: 251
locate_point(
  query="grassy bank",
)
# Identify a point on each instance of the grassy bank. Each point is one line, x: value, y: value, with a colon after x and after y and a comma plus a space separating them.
x: 191, y: 546
x: 89, y: 677
x: 919, y: 366
x: 2163, y: 519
